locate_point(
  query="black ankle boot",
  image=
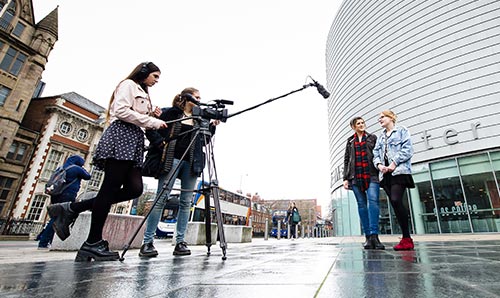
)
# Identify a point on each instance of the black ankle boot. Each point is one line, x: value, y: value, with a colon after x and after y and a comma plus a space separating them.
x: 148, y: 250
x: 98, y: 251
x: 368, y: 243
x: 376, y: 244
x: 64, y: 218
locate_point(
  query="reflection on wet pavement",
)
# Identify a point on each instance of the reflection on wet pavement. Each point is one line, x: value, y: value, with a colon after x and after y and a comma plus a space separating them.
x: 275, y: 268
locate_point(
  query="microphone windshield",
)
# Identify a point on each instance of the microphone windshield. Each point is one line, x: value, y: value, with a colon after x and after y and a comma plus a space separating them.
x: 322, y: 91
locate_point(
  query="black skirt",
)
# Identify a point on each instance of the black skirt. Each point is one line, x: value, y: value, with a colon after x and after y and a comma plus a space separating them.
x: 120, y: 141
x: 405, y: 180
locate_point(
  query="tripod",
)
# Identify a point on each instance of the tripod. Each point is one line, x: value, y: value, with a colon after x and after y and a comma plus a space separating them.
x: 201, y: 129
x: 202, y: 133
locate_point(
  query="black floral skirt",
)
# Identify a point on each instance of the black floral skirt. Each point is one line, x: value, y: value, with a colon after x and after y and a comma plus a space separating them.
x: 120, y: 141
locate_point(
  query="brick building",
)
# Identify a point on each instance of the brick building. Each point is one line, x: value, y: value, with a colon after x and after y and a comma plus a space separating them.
x: 24, y: 50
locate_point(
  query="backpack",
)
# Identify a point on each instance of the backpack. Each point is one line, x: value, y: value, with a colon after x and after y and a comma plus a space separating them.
x: 295, y: 217
x: 57, y: 181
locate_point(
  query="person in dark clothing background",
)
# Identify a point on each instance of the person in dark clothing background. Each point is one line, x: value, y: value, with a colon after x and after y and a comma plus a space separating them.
x: 74, y: 176
x: 293, y: 218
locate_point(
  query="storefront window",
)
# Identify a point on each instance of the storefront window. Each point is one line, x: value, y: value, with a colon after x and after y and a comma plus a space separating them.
x: 479, y: 183
x: 495, y: 195
x: 449, y: 197
x: 422, y: 199
x: 386, y: 214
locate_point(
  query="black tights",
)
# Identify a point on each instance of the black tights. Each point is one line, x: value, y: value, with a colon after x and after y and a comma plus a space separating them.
x: 395, y: 193
x: 122, y: 182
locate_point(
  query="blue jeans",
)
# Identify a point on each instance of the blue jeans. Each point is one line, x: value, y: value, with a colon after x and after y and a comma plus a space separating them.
x: 188, y: 181
x: 47, y: 234
x: 368, y: 207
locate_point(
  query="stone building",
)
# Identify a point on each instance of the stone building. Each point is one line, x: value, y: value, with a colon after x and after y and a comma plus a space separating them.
x: 24, y: 50
x: 65, y: 125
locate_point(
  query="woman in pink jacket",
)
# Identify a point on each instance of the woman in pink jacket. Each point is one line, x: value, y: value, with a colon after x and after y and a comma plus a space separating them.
x: 119, y: 154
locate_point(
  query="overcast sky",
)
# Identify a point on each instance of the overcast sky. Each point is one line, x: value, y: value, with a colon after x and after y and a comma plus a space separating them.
x: 244, y: 51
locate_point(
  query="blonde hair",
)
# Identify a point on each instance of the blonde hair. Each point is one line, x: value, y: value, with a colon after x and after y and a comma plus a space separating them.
x: 180, y: 99
x: 390, y: 114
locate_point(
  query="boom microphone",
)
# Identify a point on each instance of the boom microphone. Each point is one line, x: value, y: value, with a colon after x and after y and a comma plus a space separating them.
x: 321, y: 89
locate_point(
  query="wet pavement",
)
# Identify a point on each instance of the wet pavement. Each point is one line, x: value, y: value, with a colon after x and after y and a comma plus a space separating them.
x: 440, y: 266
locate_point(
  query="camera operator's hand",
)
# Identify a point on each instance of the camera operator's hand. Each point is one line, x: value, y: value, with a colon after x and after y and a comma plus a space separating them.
x: 215, y: 122
x: 157, y: 112
x: 163, y: 125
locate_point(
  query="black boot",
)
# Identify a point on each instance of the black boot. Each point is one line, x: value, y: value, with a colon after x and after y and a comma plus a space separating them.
x: 64, y: 218
x: 368, y: 243
x: 376, y: 242
x: 148, y: 250
x: 98, y: 251
x: 181, y: 249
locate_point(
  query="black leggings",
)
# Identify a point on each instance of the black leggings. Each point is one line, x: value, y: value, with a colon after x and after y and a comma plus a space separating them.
x: 395, y: 193
x: 122, y: 182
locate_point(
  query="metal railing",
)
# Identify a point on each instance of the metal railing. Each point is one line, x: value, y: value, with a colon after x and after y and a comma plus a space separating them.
x: 18, y: 226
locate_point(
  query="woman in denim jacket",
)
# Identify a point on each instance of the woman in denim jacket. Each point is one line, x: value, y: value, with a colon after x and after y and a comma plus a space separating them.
x: 392, y: 156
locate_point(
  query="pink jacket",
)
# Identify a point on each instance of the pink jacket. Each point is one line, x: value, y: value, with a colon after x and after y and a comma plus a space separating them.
x: 132, y: 104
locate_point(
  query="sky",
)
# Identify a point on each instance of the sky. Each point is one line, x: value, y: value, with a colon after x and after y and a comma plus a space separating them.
x: 247, y: 52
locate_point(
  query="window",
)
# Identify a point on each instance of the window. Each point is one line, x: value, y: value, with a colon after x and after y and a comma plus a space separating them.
x: 37, y: 207
x: 19, y: 29
x: 82, y: 134
x: 5, y: 188
x: 53, y: 161
x: 13, y: 61
x: 65, y: 128
x: 4, y: 93
x: 7, y: 17
x: 39, y: 89
x: 17, y: 151
x: 95, y: 180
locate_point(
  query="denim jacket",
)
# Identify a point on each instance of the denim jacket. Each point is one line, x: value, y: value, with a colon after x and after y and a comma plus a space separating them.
x: 399, y: 150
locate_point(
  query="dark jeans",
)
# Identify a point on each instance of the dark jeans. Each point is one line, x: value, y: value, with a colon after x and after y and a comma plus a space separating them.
x: 293, y: 228
x: 47, y: 234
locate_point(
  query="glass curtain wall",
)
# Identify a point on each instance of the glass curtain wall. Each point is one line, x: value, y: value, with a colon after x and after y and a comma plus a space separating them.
x: 459, y: 195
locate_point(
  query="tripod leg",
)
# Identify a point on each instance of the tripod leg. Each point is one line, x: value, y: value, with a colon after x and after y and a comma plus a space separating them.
x: 164, y: 189
x: 208, y: 226
x: 214, y: 185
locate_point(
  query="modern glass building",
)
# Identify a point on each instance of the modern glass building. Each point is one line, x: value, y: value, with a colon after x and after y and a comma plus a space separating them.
x: 436, y: 64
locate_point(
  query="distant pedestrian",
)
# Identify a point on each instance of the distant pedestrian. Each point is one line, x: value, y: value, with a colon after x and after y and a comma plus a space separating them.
x: 293, y: 219
x: 361, y: 176
x: 392, y: 156
x: 120, y: 154
x: 74, y: 174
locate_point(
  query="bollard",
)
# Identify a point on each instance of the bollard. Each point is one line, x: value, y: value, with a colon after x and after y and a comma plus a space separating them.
x: 296, y: 231
x: 278, y: 230
x: 302, y: 232
x: 266, y: 231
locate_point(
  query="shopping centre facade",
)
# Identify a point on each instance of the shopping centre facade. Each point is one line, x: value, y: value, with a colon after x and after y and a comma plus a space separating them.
x: 436, y: 64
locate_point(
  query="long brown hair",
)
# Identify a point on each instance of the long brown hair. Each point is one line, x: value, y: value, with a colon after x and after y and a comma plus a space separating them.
x: 138, y: 75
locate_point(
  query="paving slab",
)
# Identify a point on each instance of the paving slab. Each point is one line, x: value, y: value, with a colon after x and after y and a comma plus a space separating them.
x: 464, y: 265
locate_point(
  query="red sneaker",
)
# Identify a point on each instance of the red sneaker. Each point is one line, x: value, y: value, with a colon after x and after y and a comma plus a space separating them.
x: 405, y: 244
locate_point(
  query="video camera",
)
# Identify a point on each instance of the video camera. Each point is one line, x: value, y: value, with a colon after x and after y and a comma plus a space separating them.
x: 214, y: 111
